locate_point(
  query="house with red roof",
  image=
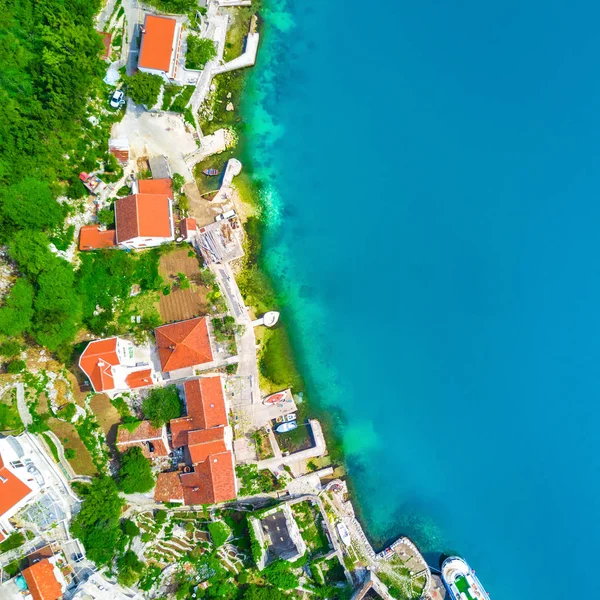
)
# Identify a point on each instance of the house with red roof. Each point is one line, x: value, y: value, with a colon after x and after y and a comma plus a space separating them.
x: 44, y: 580
x: 156, y: 186
x: 153, y: 441
x: 184, y: 344
x: 115, y: 365
x: 18, y: 486
x: 91, y: 237
x: 161, y: 46
x: 144, y: 220
x: 206, y: 438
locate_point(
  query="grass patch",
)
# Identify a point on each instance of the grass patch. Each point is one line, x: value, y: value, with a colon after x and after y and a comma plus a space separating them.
x: 238, y: 30
x: 50, y: 442
x: 82, y: 461
x: 9, y: 413
x: 295, y: 440
x: 310, y: 521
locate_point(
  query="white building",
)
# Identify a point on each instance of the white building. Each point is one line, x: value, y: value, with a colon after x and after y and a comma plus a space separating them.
x: 144, y: 221
x: 161, y: 45
x: 115, y: 365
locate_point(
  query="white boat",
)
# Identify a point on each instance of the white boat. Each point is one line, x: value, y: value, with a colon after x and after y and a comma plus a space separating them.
x: 460, y: 580
x: 285, y: 427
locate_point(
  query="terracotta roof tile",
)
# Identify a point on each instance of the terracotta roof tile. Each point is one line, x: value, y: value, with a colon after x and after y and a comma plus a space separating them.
x: 41, y: 581
x: 143, y: 215
x: 91, y: 238
x: 186, y: 226
x: 106, y: 40
x: 157, y: 43
x: 12, y: 489
x: 96, y: 362
x: 168, y: 487
x: 139, y: 379
x: 183, y: 344
x: 156, y: 186
x: 212, y: 480
x: 204, y: 442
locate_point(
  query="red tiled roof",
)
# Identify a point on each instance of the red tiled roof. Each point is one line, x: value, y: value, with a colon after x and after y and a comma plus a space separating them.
x: 143, y: 215
x: 168, y: 487
x: 157, y: 43
x: 91, y: 238
x: 139, y: 379
x: 183, y: 344
x: 144, y: 432
x: 186, y: 226
x: 96, y: 362
x: 156, y: 186
x: 212, y: 480
x: 205, y: 408
x: 41, y: 581
x: 204, y: 442
x: 12, y: 489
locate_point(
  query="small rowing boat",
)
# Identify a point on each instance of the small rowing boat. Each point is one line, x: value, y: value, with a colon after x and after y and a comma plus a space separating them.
x: 275, y: 398
x: 211, y: 172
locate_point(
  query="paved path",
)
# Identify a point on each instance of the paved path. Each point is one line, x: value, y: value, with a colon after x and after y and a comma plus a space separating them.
x: 22, y: 405
x: 64, y: 463
x: 247, y: 59
x: 246, y: 342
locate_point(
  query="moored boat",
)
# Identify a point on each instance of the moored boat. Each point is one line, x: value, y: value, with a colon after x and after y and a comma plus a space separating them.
x: 285, y: 427
x: 211, y: 172
x: 275, y: 398
x: 460, y: 580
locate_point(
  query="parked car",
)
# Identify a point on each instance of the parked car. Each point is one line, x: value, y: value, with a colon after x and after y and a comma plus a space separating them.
x: 117, y: 99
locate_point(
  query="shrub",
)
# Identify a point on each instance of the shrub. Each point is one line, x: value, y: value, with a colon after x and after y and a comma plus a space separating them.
x: 15, y: 366
x: 178, y: 182
x: 184, y: 282
x: 70, y: 453
x: 124, y: 190
x: 129, y: 567
x: 199, y: 52
x: 15, y: 540
x: 160, y: 516
x: 144, y: 88
x: 106, y: 216
x: 130, y: 528
x: 10, y: 348
x: 67, y: 412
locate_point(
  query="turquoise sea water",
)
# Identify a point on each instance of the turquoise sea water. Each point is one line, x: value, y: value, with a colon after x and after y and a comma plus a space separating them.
x: 432, y: 176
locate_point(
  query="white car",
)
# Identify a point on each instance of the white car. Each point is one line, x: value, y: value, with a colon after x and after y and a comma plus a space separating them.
x: 117, y: 99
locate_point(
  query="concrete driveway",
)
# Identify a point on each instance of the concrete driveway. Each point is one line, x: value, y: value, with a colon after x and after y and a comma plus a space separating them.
x: 153, y: 134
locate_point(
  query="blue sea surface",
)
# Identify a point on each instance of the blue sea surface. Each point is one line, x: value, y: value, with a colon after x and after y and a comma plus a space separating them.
x: 431, y: 191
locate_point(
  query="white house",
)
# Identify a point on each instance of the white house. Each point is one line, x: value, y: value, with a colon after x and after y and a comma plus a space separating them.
x: 161, y: 45
x: 144, y: 220
x: 115, y: 365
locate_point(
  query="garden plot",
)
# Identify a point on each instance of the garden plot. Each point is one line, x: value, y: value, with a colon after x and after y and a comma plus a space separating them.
x: 186, y: 298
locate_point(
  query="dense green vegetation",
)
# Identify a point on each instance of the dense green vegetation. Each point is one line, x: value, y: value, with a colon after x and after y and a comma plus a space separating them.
x: 199, y: 52
x: 162, y: 405
x: 219, y: 532
x: 97, y: 524
x: 174, y: 6
x: 135, y: 473
x: 15, y: 540
x: 144, y: 88
x: 51, y: 63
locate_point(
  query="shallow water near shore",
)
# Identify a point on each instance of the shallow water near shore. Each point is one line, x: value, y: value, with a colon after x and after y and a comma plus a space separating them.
x: 430, y: 181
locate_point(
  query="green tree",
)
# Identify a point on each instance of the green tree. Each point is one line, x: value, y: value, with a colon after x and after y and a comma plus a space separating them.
x: 162, y: 405
x: 262, y: 592
x: 57, y: 307
x: 180, y: 7
x: 106, y: 216
x: 219, y: 532
x: 280, y: 575
x: 129, y: 567
x: 130, y: 528
x: 144, y: 88
x: 135, y: 473
x: 70, y: 453
x: 31, y: 251
x: 67, y: 412
x: 97, y: 523
x: 160, y: 516
x: 29, y: 204
x: 199, y: 52
x: 178, y: 182
x: 17, y: 313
